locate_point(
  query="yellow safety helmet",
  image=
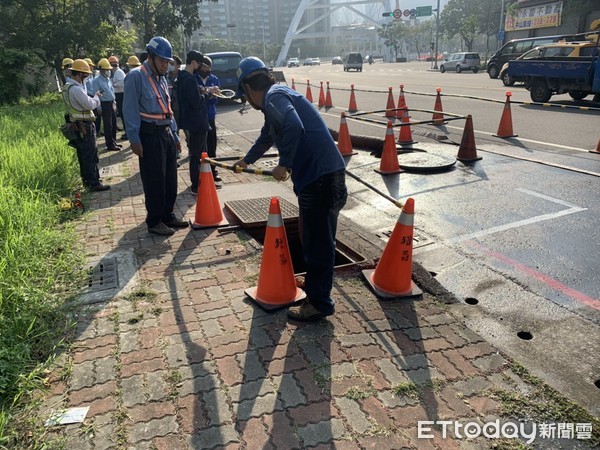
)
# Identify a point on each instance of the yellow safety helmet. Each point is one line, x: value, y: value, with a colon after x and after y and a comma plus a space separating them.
x: 66, y: 63
x: 103, y: 64
x: 90, y: 62
x: 113, y: 60
x: 80, y: 65
x: 133, y: 61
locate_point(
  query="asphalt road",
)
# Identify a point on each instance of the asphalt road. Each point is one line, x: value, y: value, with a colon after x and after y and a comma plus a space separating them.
x: 515, y: 236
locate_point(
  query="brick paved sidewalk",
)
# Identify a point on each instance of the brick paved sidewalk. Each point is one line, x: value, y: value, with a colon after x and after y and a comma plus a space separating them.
x: 184, y: 361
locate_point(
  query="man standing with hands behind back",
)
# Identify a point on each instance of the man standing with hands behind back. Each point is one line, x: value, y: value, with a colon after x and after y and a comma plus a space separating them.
x: 307, y: 149
x: 151, y: 130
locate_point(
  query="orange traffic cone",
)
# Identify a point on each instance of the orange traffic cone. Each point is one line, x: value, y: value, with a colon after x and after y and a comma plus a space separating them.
x: 352, y: 106
x: 328, y: 102
x: 597, y: 148
x: 208, y: 209
x: 438, y: 117
x: 389, y: 109
x: 389, y: 157
x: 405, y: 135
x: 321, y: 96
x: 466, y: 151
x: 293, y: 84
x: 344, y: 141
x: 276, y: 283
x: 505, y: 129
x: 392, y: 278
x: 308, y: 92
x: 401, y: 102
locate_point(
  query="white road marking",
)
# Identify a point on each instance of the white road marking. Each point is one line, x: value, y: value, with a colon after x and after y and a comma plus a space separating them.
x: 571, y: 210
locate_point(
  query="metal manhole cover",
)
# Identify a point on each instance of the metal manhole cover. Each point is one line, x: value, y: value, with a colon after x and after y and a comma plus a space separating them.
x: 103, y: 275
x: 255, y: 211
x: 267, y: 163
x: 108, y: 171
x: 425, y: 162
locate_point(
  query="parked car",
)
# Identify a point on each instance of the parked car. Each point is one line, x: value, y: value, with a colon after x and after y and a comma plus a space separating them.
x: 354, y: 61
x: 316, y: 61
x: 293, y: 62
x: 337, y: 60
x: 557, y: 50
x: 307, y: 62
x: 461, y: 61
x: 224, y: 66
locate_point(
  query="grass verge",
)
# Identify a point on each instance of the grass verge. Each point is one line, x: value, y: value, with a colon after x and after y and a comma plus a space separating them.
x: 40, y: 265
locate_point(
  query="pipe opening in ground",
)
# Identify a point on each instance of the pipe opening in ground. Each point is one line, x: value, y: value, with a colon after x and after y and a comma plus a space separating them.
x: 471, y: 301
x: 345, y: 256
x: 597, y: 383
x: 525, y: 335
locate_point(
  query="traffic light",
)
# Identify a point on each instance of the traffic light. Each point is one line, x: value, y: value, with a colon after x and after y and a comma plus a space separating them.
x: 388, y: 14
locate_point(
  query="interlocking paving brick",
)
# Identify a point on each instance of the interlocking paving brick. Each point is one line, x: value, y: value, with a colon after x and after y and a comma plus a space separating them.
x: 259, y: 337
x: 251, y: 389
x: 420, y: 376
x: 490, y: 362
x: 254, y: 433
x: 422, y: 333
x: 350, y: 409
x: 156, y: 385
x: 211, y: 328
x: 350, y: 340
x: 217, y: 405
x: 257, y: 407
x: 312, y: 413
x: 472, y: 386
x: 143, y: 431
x: 199, y: 384
x: 82, y: 375
x: 313, y: 352
x: 322, y: 432
x: 212, y: 437
x: 251, y: 366
x: 131, y: 390
x: 391, y: 372
x: 289, y: 390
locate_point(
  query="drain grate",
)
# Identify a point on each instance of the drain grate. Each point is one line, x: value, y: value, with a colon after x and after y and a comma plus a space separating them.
x: 255, y: 211
x: 103, y: 275
x: 109, y: 171
x: 268, y: 164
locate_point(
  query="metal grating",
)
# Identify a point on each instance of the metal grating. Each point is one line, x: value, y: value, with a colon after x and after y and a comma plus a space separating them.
x: 255, y: 211
x: 268, y: 164
x: 103, y: 275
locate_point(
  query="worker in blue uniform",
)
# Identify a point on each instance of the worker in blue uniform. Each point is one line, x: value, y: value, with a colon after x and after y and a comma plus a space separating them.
x: 152, y: 132
x: 307, y: 150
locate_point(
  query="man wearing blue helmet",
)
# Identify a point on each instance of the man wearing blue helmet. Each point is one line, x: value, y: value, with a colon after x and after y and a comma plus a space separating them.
x: 152, y: 132
x: 307, y: 150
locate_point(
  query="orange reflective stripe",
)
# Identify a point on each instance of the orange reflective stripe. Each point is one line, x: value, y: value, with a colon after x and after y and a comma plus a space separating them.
x: 167, y: 113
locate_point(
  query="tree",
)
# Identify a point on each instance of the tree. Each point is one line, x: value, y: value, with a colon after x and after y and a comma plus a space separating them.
x: 461, y: 17
x: 420, y: 36
x: 393, y: 35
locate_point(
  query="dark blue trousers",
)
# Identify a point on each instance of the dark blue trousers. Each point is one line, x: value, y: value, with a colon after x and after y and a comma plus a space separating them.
x: 87, y: 155
x: 320, y: 204
x: 158, y: 169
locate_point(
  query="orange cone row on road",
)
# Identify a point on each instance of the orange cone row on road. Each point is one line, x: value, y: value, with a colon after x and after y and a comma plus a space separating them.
x: 309, y: 96
x: 321, y: 96
x: 467, y: 152
x: 389, y: 109
x: 352, y: 106
x: 597, y: 148
x: 405, y: 135
x: 344, y: 141
x: 328, y: 102
x: 438, y: 116
x: 401, y: 102
x: 208, y: 208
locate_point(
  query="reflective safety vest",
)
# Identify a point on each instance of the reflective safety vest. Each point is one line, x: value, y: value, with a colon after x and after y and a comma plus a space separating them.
x: 75, y: 114
x: 167, y: 113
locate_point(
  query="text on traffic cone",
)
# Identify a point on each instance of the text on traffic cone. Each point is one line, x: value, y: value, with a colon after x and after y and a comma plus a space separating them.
x: 208, y: 207
x: 276, y: 283
x: 438, y: 117
x: 389, y: 156
x: 467, y: 152
x: 392, y: 278
x: 505, y: 128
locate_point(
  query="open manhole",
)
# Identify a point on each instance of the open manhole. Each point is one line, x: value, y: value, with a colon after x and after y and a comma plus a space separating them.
x: 103, y: 275
x: 253, y: 215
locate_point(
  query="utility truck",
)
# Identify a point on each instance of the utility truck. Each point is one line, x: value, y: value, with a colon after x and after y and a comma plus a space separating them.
x: 578, y: 77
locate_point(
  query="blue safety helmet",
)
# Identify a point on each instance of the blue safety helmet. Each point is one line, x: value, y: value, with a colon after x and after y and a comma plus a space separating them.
x: 248, y: 66
x: 160, y: 47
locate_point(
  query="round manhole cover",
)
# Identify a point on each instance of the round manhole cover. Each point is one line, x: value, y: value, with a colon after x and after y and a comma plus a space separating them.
x: 425, y: 162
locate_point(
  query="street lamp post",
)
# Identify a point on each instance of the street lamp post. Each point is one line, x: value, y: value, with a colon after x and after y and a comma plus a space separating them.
x: 437, y: 35
x: 264, y: 46
x: 501, y: 26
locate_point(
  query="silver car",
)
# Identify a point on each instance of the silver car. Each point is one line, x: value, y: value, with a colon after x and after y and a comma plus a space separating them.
x: 461, y: 61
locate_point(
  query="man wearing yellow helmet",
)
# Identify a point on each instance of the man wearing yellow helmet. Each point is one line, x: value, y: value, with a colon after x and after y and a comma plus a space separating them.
x: 104, y: 84
x: 66, y: 68
x: 80, y: 113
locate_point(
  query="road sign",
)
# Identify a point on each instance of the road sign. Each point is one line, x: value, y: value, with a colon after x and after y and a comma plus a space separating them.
x: 423, y: 11
x: 397, y: 13
x: 413, y: 12
x: 501, y: 35
x: 406, y: 12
